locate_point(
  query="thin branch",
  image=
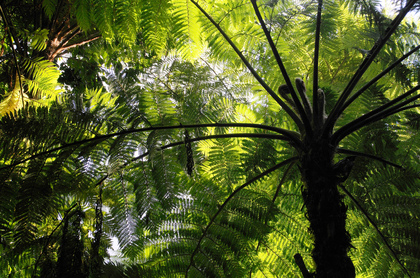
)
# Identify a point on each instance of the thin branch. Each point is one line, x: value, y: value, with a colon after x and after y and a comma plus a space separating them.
x: 365, y: 213
x: 69, y: 33
x: 332, y: 118
x: 317, y: 117
x: 286, y: 77
x: 216, y: 74
x: 379, y: 76
x: 60, y: 28
x: 62, y: 48
x: 275, y: 252
x: 212, y: 220
x: 286, y: 135
x: 68, y: 36
x: 286, y: 108
x: 101, y: 180
x: 81, y: 42
x: 230, y: 11
x: 375, y: 115
x: 374, y: 157
x: 339, y: 68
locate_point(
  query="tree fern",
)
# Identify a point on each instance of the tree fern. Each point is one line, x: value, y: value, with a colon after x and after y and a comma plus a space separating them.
x: 264, y: 163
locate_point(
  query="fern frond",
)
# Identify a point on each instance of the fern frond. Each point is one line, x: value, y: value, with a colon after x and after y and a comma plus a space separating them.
x: 187, y: 27
x: 14, y: 100
x: 125, y: 20
x: 39, y: 39
x: 42, y: 81
x: 102, y: 15
x: 123, y: 218
x: 49, y: 7
x: 83, y: 13
x: 35, y: 201
x: 155, y: 22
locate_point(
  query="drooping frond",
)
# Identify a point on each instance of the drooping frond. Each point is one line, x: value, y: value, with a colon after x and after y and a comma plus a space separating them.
x: 187, y: 29
x: 82, y: 11
x: 49, y: 7
x: 389, y: 249
x: 155, y: 22
x: 13, y: 100
x: 42, y: 79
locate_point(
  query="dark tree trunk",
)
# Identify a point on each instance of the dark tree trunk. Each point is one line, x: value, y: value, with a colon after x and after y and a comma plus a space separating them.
x: 326, y: 212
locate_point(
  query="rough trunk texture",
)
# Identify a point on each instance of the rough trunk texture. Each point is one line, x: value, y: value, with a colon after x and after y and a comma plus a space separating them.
x: 326, y: 212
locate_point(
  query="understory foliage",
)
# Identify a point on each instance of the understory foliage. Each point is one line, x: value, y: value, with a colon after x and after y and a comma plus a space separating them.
x: 192, y: 161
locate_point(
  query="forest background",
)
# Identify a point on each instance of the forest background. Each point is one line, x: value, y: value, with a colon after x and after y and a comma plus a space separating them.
x: 271, y: 138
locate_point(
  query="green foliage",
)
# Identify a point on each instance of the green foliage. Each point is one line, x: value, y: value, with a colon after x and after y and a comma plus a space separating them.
x: 39, y: 39
x: 49, y: 7
x: 44, y: 78
x: 113, y: 158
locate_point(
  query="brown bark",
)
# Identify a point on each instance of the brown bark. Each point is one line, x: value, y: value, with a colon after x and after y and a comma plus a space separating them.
x: 65, y: 37
x: 54, y: 52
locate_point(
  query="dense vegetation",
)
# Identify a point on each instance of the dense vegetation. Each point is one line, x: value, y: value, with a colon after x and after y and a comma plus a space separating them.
x: 209, y: 138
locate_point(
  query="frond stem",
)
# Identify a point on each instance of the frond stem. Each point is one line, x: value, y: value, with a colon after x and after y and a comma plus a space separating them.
x: 283, y: 179
x: 335, y: 113
x: 375, y: 115
x: 365, y: 213
x: 209, y: 137
x: 374, y: 157
x: 316, y: 111
x: 285, y: 135
x: 376, y: 78
x: 286, y: 77
x: 286, y: 108
x: 281, y: 164
x: 78, y: 43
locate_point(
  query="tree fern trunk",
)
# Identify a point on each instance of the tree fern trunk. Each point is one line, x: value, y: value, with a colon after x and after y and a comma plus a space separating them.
x: 326, y: 212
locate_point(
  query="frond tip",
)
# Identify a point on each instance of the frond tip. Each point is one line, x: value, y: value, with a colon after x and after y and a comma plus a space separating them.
x: 14, y: 100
